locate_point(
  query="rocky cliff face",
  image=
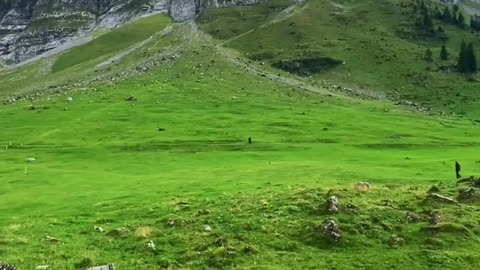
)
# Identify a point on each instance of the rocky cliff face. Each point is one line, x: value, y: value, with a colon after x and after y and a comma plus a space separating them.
x: 30, y: 27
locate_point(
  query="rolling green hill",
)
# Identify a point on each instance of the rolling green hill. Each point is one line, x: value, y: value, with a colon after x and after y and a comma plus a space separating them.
x: 379, y: 42
x: 142, y: 136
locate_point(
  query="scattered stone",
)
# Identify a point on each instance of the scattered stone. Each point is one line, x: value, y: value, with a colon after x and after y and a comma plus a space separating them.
x: 396, y: 241
x: 468, y: 194
x: 41, y: 267
x: 434, y: 217
x: 207, y: 228
x: 387, y: 202
x: 52, y: 239
x: 131, y: 98
x: 151, y: 245
x: 471, y: 181
x: 204, y: 212
x: 331, y: 229
x: 65, y: 108
x: 441, y: 198
x: 118, y: 232
x: 434, y: 189
x: 250, y: 249
x: 363, y: 186
x: 30, y: 160
x: 69, y: 99
x: 6, y: 266
x: 264, y: 202
x: 412, y: 217
x: 333, y: 204
x: 98, y: 229
x: 103, y: 267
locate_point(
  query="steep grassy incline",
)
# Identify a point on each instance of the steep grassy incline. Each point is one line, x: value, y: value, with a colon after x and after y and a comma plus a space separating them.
x: 78, y: 65
x: 365, y: 45
x: 112, y: 42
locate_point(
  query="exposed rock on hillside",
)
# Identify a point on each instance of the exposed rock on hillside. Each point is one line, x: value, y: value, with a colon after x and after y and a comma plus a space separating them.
x: 30, y: 27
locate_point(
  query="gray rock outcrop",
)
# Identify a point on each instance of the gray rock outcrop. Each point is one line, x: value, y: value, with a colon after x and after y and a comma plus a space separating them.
x: 31, y: 27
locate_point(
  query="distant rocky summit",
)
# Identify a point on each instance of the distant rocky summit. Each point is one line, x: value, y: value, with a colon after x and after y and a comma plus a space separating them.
x: 31, y: 27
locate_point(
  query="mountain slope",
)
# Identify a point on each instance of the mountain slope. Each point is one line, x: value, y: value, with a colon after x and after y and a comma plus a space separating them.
x: 29, y: 28
x: 371, y: 48
x: 148, y: 142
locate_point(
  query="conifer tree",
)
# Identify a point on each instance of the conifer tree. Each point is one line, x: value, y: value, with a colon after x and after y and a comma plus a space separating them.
x: 461, y: 20
x: 428, y: 55
x: 471, y: 59
x: 462, y: 58
x: 447, y: 16
x: 444, y: 53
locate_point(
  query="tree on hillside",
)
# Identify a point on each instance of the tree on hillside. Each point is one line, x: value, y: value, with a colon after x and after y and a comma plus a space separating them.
x: 428, y: 55
x: 438, y: 14
x: 471, y: 59
x: 475, y: 22
x: 444, y: 53
x: 455, y: 8
x: 462, y: 58
x: 427, y: 21
x: 461, y: 20
x: 447, y: 16
x: 422, y: 5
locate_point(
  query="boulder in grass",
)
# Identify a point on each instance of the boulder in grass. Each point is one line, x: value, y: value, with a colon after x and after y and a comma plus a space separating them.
x: 103, y: 267
x: 6, y: 266
x: 363, y: 186
x: 333, y: 205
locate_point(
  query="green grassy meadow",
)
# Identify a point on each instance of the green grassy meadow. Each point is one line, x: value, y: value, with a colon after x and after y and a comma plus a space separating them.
x: 176, y: 157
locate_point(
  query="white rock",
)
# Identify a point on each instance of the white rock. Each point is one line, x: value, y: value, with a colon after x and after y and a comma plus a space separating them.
x: 103, y: 267
x: 363, y: 186
x: 69, y: 99
x: 30, y: 160
x: 41, y: 267
x: 151, y: 245
x: 207, y: 228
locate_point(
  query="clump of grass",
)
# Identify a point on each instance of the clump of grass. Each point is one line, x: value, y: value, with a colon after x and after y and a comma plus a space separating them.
x: 448, y: 227
x: 144, y: 232
x: 85, y: 262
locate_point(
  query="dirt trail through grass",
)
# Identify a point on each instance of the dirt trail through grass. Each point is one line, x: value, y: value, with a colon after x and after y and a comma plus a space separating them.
x: 283, y: 15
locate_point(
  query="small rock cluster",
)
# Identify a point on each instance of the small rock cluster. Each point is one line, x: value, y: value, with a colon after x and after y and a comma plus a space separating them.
x: 441, y: 198
x: 333, y: 205
x: 6, y: 266
x: 412, y: 217
x: 468, y: 194
x: 396, y: 242
x: 331, y: 229
x: 434, y: 217
x: 363, y: 186
x: 103, y: 267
